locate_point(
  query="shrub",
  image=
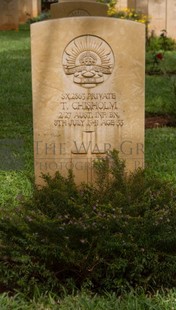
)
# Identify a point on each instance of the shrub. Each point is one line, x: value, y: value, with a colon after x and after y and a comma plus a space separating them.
x: 129, y: 14
x: 125, y: 13
x: 43, y: 16
x: 116, y: 234
x: 160, y: 43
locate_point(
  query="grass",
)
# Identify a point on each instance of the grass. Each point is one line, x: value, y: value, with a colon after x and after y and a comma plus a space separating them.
x: 15, y: 95
x: 160, y: 98
x: 16, y: 146
x: 161, y: 83
x: 160, y: 152
x: 160, y: 143
x: 86, y: 301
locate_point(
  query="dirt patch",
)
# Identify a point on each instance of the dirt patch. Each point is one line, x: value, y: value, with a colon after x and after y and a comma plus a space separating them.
x: 159, y: 121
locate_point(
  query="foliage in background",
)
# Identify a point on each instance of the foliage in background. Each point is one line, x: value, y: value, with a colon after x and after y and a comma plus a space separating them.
x: 43, y: 16
x: 161, y: 63
x: 129, y: 14
x: 116, y: 235
x: 125, y: 13
x: 111, y: 3
x: 160, y: 43
x: 158, y: 49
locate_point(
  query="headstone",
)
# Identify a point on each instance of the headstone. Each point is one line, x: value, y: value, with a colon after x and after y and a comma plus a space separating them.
x: 161, y: 13
x: 36, y: 7
x: 69, y: 8
x: 157, y: 13
x: 9, y: 15
x: 28, y: 9
x: 25, y: 8
x: 139, y: 5
x: 122, y: 4
x: 132, y: 4
x: 88, y: 93
x: 171, y: 19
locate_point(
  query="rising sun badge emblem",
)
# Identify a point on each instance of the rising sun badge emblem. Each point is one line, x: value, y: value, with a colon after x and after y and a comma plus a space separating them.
x: 88, y: 60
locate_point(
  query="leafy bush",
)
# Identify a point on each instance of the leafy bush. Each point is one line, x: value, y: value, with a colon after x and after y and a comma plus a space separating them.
x: 126, y: 13
x: 43, y: 16
x: 119, y: 233
x: 129, y: 14
x: 161, y: 43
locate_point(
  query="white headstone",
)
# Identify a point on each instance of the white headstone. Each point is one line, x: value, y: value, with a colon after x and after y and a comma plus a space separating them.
x: 88, y: 93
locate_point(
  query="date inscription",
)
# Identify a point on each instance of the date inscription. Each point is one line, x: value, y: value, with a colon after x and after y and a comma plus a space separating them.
x: 88, y: 109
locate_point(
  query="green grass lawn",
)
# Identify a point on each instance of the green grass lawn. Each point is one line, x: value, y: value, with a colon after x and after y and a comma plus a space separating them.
x: 86, y: 301
x: 160, y: 97
x: 16, y: 165
x: 161, y: 84
x: 160, y: 152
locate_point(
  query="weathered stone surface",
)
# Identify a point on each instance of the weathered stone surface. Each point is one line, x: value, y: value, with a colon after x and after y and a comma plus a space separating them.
x: 9, y: 15
x: 139, y: 5
x: 88, y: 93
x: 28, y: 9
x: 171, y: 19
x: 69, y: 8
x: 157, y: 13
x: 161, y: 13
x: 122, y: 4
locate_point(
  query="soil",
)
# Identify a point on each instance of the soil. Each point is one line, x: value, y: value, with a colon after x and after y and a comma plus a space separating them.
x: 155, y: 121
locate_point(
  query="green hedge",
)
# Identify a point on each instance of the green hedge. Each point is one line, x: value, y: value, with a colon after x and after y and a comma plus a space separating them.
x: 116, y: 235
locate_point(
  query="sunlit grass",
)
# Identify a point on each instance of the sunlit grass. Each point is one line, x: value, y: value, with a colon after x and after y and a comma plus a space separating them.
x: 87, y: 301
x: 160, y: 96
x: 15, y: 115
x: 160, y: 152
